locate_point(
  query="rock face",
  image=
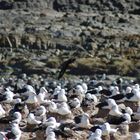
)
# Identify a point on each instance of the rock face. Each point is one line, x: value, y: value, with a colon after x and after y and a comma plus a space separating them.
x: 74, y: 5
x: 106, y: 29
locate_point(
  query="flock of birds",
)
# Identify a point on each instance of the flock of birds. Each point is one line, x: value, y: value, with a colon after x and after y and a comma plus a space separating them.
x: 53, y: 110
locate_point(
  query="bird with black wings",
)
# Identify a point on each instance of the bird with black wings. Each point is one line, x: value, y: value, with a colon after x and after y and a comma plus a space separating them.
x: 71, y: 60
x: 65, y: 66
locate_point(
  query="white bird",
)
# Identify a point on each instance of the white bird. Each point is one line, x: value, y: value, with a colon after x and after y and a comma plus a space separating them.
x: 62, y: 96
x: 115, y: 111
x: 85, y: 87
x: 111, y: 102
x: 128, y: 90
x: 2, y: 136
x: 134, y: 96
x: 2, y: 111
x: 135, y: 136
x: 16, y: 131
x: 26, y: 90
x: 56, y: 90
x: 115, y: 91
x: 82, y: 121
x: 91, y: 97
x: 52, y: 107
x: 137, y: 87
x: 96, y: 135
x: 32, y: 98
x: 127, y: 117
x: 49, y: 129
x: 40, y: 113
x: 32, y: 120
x: 63, y: 109
x: 51, y: 136
x: 79, y: 92
x: 129, y: 110
x: 18, y: 117
x: 106, y: 129
x: 75, y: 103
x: 7, y: 96
x: 43, y: 96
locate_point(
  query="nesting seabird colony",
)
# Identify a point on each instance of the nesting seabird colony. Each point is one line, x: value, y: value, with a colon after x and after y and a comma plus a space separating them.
x: 92, y: 109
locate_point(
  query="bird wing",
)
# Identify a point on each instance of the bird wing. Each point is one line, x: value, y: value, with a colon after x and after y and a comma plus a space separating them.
x: 77, y: 119
x: 64, y: 66
x: 129, y: 95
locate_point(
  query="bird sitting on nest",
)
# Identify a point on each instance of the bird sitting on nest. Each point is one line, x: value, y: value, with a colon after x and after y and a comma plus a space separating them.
x: 32, y: 122
x: 61, y: 96
x: 15, y: 117
x: 7, y: 96
x: 89, y: 100
x: 63, y: 109
x: 32, y: 101
x: 13, y: 133
x: 43, y: 96
x: 74, y: 103
x: 51, y: 136
x: 135, y: 136
x: 96, y: 135
x: 52, y: 107
x: 106, y: 104
x: 2, y: 112
x: 82, y: 121
x: 40, y: 113
x: 124, y: 119
x: 106, y: 129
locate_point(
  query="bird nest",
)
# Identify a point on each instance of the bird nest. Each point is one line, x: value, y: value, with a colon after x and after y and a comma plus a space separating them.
x: 134, y: 127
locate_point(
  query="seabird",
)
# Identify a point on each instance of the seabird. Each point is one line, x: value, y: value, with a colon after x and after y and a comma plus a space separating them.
x: 115, y: 91
x: 18, y: 107
x: 50, y: 123
x: 25, y: 90
x: 106, y: 129
x: 57, y: 90
x: 124, y: 119
x: 85, y: 87
x: 105, y: 92
x: 2, y: 136
x: 89, y: 99
x: 74, y: 103
x: 2, y: 112
x: 82, y: 121
x: 64, y: 66
x: 32, y: 98
x: 43, y: 96
x: 14, y: 133
x: 134, y: 96
x: 118, y: 97
x: 32, y: 120
x: 7, y: 96
x: 52, y: 107
x: 61, y: 96
x: 106, y: 104
x: 63, y: 109
x: 135, y: 136
x: 51, y: 136
x: 115, y: 112
x: 96, y: 135
x: 40, y: 113
x: 17, y: 117
x: 79, y: 92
